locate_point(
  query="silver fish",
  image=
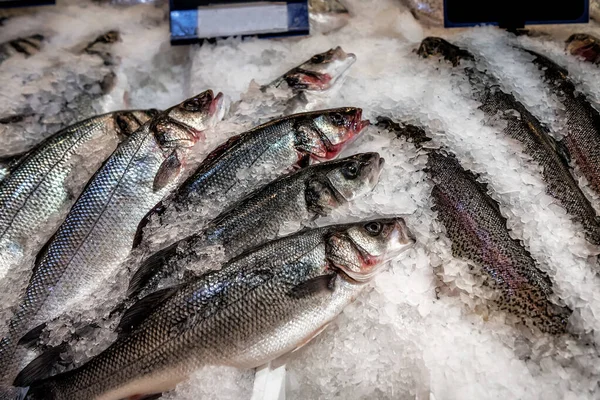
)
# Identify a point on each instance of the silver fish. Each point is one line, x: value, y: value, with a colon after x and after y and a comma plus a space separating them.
x: 259, y: 306
x: 295, y: 91
x: 279, y: 144
x: 41, y: 187
x: 97, y: 235
x: 312, y: 191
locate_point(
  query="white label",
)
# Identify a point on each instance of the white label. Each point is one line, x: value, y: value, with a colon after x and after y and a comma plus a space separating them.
x: 242, y: 19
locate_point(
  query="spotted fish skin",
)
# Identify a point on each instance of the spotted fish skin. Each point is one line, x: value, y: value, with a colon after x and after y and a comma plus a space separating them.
x: 521, y: 125
x: 479, y: 234
x: 582, y: 138
x: 97, y: 234
x: 39, y: 189
x: 259, y: 306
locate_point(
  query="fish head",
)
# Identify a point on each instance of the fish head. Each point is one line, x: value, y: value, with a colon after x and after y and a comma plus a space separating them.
x: 321, y: 72
x: 584, y: 46
x: 128, y: 122
x: 198, y: 113
x: 323, y: 134
x: 435, y: 46
x: 358, y: 250
x: 355, y: 176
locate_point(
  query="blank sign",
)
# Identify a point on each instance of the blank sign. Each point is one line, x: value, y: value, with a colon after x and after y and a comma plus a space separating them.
x: 242, y: 19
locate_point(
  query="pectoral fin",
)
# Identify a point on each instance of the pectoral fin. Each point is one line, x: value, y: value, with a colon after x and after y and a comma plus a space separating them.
x: 168, y: 172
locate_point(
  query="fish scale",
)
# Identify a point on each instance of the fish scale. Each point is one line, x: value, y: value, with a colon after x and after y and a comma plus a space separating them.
x: 479, y: 234
x: 38, y: 188
x: 263, y: 304
x: 524, y: 127
x: 97, y: 235
x: 582, y: 136
x: 270, y: 149
x: 298, y: 197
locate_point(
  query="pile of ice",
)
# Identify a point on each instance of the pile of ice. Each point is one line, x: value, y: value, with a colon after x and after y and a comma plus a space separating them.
x: 421, y: 331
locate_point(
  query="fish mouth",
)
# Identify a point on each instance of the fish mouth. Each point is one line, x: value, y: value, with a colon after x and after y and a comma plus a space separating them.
x: 216, y: 104
x: 357, y: 123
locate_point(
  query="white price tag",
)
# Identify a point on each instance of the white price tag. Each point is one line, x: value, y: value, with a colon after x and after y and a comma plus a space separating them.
x: 242, y: 19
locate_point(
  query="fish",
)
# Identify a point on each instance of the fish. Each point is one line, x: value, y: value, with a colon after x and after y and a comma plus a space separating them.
x: 259, y: 306
x: 298, y: 197
x: 27, y: 46
x: 97, y: 234
x: 297, y: 90
x: 582, y: 136
x: 520, y: 124
x: 327, y: 15
x: 279, y: 144
x: 43, y: 184
x: 584, y: 46
x: 56, y: 94
x: 479, y: 235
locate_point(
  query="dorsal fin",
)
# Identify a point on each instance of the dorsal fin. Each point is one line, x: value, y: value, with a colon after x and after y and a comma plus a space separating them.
x: 222, y: 149
x: 138, y: 312
x: 41, y: 367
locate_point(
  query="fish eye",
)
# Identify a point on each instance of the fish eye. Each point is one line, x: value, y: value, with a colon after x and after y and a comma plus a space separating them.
x: 317, y: 59
x: 373, y: 228
x: 337, y: 118
x: 350, y: 170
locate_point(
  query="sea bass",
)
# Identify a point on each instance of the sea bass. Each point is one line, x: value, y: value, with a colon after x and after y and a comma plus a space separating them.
x: 479, y: 234
x: 259, y: 306
x: 227, y: 172
x: 582, y: 136
x: 521, y: 125
x: 304, y: 195
x: 97, y: 234
x: 585, y: 46
x: 297, y: 90
x: 42, y: 185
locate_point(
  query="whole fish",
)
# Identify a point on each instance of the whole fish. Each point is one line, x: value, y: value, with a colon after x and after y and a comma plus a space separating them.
x: 479, y: 235
x: 311, y: 192
x: 55, y: 94
x: 97, y: 234
x: 582, y: 136
x: 259, y: 306
x: 297, y: 90
x: 41, y: 186
x: 27, y: 46
x: 279, y: 144
x: 585, y: 46
x: 521, y: 125
x: 327, y: 15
